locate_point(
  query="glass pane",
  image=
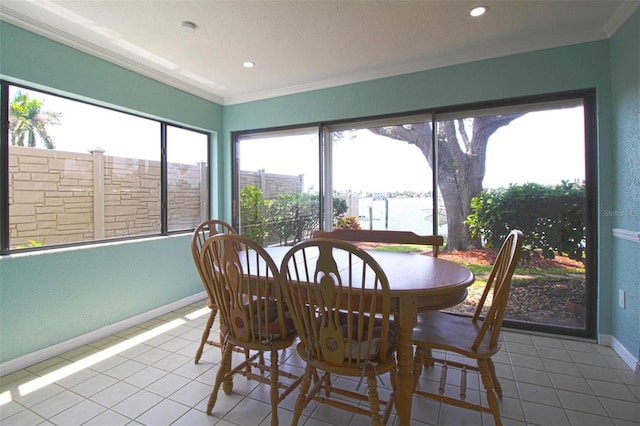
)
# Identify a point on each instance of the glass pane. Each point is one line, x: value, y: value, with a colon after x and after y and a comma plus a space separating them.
x: 78, y: 172
x: 384, y: 176
x: 522, y: 170
x: 279, y: 186
x: 187, y: 177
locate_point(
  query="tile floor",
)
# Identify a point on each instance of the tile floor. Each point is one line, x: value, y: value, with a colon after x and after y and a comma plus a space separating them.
x: 146, y: 376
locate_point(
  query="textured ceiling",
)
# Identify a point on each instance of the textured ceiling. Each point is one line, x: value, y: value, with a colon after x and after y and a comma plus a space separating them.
x: 305, y: 45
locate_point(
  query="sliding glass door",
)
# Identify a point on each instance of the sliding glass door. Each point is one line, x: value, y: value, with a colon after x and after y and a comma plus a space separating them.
x: 277, y: 185
x: 382, y: 171
x: 470, y: 175
x: 527, y: 170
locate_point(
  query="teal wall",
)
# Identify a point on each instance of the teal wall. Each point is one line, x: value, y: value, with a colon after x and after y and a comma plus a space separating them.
x: 625, y: 70
x: 554, y: 70
x: 576, y: 67
x: 50, y: 297
x: 73, y: 292
x: 42, y: 63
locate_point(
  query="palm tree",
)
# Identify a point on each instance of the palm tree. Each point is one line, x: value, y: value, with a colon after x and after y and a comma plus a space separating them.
x: 26, y: 119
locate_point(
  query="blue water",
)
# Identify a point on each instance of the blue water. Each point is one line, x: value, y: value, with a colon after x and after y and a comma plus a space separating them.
x: 404, y: 214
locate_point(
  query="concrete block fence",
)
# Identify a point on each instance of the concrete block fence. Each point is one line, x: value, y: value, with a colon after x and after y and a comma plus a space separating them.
x: 59, y: 197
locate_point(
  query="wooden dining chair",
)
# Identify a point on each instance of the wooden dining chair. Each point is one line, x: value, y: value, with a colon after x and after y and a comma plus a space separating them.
x: 245, y: 283
x: 473, y: 338
x: 340, y: 301
x: 384, y: 236
x: 200, y: 235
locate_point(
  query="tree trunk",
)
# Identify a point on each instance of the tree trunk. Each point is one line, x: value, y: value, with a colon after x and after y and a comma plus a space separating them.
x: 460, y: 179
x: 461, y: 165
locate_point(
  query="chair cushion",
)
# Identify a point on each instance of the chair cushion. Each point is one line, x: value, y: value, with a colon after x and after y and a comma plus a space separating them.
x: 271, y: 305
x: 353, y: 348
x: 272, y: 328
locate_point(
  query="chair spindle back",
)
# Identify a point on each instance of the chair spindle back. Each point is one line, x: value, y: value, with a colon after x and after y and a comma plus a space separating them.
x: 245, y: 283
x: 341, y: 313
x: 499, y: 284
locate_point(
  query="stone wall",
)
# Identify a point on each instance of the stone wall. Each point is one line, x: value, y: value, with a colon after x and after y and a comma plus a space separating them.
x: 50, y: 196
x: 187, y: 195
x: 272, y: 184
x: 58, y: 197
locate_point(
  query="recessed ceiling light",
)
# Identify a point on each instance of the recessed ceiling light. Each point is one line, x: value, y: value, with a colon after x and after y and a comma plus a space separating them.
x: 188, y: 26
x: 248, y: 64
x: 478, y: 11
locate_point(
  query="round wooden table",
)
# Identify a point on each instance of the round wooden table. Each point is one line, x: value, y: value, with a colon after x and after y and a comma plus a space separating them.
x: 418, y: 283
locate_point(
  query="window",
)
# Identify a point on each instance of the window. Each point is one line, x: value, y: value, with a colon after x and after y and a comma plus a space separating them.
x: 79, y: 173
x: 386, y: 182
x: 531, y: 172
x: 442, y: 171
x: 188, y: 178
x: 277, y: 185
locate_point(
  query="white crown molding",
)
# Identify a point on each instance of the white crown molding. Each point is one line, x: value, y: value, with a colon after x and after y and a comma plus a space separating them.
x: 55, y: 34
x: 620, y: 16
x: 422, y: 65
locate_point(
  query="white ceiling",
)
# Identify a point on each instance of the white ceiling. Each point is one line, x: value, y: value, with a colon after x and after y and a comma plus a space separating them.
x: 301, y: 45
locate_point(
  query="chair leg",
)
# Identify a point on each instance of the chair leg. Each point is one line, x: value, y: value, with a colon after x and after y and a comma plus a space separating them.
x: 315, y: 376
x: 428, y: 358
x: 496, y: 382
x: 374, y: 400
x: 393, y: 380
x: 205, y: 334
x: 223, y: 369
x: 418, y: 362
x: 247, y: 354
x: 227, y: 384
x: 487, y: 381
x: 302, y: 395
x: 274, y: 391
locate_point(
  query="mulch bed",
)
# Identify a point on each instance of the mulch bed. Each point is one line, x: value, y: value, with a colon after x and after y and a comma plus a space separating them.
x: 541, y: 300
x: 487, y: 257
x: 537, y: 299
x: 555, y: 300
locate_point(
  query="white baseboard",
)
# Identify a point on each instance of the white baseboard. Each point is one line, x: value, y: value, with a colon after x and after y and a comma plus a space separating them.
x: 66, y: 346
x: 71, y: 344
x: 627, y: 357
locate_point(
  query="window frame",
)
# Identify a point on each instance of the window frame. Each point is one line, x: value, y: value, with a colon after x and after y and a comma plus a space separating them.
x: 5, y: 101
x: 588, y: 98
x: 236, y: 137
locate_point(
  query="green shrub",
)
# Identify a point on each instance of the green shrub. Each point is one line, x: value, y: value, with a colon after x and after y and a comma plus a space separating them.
x: 287, y: 219
x: 339, y: 208
x: 293, y: 217
x: 32, y: 243
x: 550, y: 217
x: 252, y: 209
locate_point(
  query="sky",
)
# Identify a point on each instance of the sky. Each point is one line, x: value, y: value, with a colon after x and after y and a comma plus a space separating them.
x: 544, y: 147
x: 84, y: 127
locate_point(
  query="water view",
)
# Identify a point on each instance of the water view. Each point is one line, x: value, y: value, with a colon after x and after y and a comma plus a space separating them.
x: 405, y: 214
